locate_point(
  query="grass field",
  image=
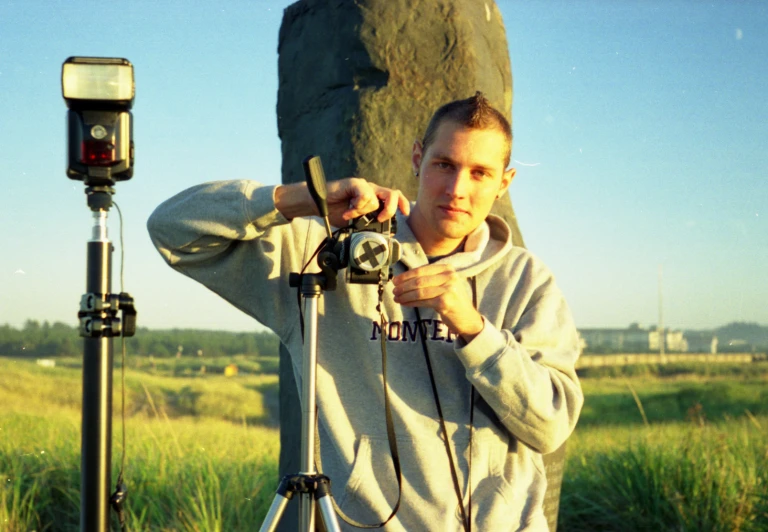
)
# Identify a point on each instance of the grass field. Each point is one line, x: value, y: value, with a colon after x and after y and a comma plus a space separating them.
x: 201, y: 446
x: 673, y: 448
x: 656, y: 449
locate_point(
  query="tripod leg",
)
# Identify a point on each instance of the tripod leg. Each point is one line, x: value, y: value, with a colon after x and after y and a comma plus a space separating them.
x: 284, y: 494
x: 275, y: 512
x: 327, y: 513
x: 306, y: 512
x: 325, y: 504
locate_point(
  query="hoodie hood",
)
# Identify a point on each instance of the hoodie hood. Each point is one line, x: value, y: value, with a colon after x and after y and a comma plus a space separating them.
x: 483, y: 247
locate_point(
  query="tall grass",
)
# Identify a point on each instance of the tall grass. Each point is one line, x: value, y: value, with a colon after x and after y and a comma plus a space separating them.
x: 204, y: 476
x: 202, y: 449
x: 197, y: 473
x: 182, y: 474
x: 679, y: 476
x: 674, y: 449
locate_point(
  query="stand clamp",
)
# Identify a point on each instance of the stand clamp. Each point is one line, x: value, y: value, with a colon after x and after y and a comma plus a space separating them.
x: 98, y: 315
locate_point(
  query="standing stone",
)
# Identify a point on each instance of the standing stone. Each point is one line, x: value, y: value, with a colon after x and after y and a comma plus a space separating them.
x: 358, y: 82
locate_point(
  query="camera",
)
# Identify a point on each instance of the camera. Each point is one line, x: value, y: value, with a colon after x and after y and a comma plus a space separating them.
x: 368, y: 247
x: 364, y: 247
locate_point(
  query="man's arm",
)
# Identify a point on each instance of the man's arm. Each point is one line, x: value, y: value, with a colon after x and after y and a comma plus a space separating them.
x: 234, y: 237
x: 229, y: 237
x: 524, y: 370
x: 347, y: 199
x: 203, y: 221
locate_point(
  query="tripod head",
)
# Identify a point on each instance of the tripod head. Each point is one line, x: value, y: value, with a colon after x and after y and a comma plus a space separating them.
x: 365, y: 247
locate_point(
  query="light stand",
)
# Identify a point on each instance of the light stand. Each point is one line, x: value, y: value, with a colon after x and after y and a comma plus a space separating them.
x: 99, y: 93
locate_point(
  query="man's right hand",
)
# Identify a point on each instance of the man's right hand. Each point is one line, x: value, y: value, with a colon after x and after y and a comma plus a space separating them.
x: 347, y: 199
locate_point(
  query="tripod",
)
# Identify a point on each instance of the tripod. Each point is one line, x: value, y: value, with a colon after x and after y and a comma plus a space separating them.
x: 311, y: 487
x: 332, y: 256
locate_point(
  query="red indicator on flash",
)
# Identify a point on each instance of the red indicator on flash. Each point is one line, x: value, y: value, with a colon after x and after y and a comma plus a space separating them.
x: 97, y: 153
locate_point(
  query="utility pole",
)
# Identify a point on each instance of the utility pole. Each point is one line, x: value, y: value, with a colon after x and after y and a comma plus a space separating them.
x: 662, y: 334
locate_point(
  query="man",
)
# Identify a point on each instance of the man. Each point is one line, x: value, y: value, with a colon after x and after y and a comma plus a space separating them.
x: 481, y: 346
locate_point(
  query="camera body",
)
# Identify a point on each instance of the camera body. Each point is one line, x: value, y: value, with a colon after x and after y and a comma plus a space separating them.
x: 367, y: 247
x: 364, y: 247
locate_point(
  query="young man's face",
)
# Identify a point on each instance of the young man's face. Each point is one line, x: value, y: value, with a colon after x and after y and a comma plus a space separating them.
x: 461, y: 175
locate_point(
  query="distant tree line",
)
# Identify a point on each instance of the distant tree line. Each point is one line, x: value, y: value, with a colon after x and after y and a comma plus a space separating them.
x: 749, y: 333
x: 45, y: 339
x: 37, y: 339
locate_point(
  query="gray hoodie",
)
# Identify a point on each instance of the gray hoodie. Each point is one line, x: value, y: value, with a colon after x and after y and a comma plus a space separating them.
x: 230, y: 237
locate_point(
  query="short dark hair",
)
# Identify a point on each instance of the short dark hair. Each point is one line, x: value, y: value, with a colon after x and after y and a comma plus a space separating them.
x: 474, y: 113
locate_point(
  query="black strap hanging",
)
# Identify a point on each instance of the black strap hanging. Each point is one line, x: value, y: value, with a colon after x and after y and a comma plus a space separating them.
x: 466, y: 514
x: 390, y: 436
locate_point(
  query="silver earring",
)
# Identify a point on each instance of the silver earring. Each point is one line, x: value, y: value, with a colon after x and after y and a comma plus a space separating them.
x: 416, y: 173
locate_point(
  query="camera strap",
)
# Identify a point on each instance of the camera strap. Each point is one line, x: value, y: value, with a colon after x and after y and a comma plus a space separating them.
x: 466, y: 513
x: 390, y: 431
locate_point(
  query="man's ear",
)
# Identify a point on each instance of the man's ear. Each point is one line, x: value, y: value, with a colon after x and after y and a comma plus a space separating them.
x: 506, y: 179
x: 416, y: 154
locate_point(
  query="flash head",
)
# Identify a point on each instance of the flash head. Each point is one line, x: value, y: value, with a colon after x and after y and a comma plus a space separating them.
x: 97, y: 83
x: 99, y: 92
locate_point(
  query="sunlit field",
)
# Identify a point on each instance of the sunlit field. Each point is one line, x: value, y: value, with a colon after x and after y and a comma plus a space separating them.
x: 201, y: 450
x: 656, y: 448
x: 670, y: 448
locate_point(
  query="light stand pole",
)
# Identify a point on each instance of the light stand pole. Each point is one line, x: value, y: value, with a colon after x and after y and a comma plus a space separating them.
x: 96, y: 458
x: 99, y: 92
x: 98, y: 325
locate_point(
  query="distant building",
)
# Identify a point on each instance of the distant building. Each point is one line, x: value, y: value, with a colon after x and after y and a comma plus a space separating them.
x: 675, y: 341
x: 633, y: 339
x: 701, y: 342
x: 638, y: 339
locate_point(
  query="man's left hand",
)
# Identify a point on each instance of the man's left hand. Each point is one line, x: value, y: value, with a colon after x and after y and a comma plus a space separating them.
x: 439, y: 287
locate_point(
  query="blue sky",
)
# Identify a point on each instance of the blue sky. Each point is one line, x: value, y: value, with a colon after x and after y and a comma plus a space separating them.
x: 640, y: 142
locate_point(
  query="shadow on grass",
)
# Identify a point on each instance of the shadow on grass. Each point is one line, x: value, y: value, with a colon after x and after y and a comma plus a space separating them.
x: 270, y: 392
x: 184, y: 401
